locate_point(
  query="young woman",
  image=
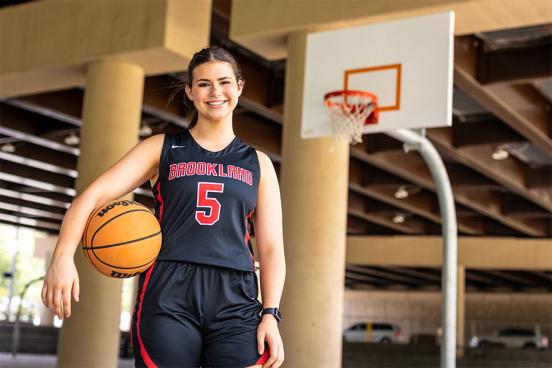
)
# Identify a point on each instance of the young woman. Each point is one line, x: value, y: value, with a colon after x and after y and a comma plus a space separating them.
x: 197, y: 305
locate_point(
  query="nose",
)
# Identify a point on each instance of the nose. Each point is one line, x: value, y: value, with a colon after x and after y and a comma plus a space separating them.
x: 215, y: 90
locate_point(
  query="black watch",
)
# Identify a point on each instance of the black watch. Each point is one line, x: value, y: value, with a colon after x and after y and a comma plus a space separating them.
x: 274, y: 312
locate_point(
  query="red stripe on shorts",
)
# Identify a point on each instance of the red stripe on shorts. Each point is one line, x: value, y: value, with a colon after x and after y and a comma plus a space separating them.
x: 143, y: 352
x: 263, y: 358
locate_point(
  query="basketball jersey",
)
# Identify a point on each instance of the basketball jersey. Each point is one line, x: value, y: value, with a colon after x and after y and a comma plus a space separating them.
x: 204, y: 202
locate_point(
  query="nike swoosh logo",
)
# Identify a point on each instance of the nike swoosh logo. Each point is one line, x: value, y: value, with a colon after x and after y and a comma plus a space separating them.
x: 175, y: 146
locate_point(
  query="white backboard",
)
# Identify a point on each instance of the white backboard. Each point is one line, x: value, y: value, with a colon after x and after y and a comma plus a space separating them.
x: 407, y: 63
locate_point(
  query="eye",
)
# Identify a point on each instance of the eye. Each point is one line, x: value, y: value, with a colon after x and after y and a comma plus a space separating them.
x: 226, y: 82
x: 203, y: 84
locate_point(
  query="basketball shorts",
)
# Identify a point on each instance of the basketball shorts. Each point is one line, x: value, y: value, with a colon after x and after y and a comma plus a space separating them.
x: 191, y: 315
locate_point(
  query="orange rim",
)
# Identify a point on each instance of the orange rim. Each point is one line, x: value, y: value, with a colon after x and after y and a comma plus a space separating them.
x: 371, y: 119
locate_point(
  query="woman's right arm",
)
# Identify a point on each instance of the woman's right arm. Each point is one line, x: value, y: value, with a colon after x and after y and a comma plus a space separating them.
x: 136, y: 167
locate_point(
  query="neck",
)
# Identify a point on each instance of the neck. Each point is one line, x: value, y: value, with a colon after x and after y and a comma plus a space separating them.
x: 213, y: 131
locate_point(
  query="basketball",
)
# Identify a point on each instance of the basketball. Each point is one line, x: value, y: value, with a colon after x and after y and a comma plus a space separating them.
x: 122, y: 238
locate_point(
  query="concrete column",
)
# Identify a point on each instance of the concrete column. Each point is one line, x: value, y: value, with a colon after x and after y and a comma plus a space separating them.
x: 460, y: 309
x: 314, y: 192
x: 111, y: 119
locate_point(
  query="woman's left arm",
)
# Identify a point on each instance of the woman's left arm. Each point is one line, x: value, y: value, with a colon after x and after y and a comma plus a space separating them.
x: 270, y: 245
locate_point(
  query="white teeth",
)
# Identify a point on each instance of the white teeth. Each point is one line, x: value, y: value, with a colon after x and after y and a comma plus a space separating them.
x: 215, y: 103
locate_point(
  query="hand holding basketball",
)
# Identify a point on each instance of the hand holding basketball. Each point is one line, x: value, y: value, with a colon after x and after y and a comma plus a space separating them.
x: 60, y: 283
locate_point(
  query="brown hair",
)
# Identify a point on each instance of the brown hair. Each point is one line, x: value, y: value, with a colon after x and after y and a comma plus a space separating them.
x: 214, y: 53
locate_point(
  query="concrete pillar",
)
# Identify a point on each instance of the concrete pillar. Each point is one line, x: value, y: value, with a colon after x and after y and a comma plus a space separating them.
x: 460, y: 309
x: 111, y: 119
x: 314, y: 193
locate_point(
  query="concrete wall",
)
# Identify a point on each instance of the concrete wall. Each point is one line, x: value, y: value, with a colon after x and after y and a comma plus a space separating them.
x: 420, y: 312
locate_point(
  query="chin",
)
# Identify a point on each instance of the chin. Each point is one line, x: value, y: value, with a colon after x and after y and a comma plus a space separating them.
x: 217, y: 116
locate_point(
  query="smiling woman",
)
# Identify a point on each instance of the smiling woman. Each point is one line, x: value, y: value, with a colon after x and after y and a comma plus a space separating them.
x: 206, y: 268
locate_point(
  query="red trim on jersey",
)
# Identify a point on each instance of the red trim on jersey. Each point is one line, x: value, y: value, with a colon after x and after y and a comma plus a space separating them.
x: 143, y: 352
x: 263, y: 358
x: 247, y: 237
x: 160, y: 200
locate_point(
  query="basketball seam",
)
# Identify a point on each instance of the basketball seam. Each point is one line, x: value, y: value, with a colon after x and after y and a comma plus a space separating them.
x: 113, y: 218
x: 122, y: 268
x: 122, y: 243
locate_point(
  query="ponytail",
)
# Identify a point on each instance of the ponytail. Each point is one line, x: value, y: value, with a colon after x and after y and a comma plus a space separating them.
x: 193, y: 122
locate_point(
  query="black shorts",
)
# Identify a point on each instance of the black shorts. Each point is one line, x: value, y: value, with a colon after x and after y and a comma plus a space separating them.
x: 190, y: 315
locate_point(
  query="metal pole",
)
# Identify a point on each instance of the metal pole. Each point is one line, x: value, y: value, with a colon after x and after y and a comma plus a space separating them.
x: 13, y: 271
x: 415, y: 141
x: 17, y: 324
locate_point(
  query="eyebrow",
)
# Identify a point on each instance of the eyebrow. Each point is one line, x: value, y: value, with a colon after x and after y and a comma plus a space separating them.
x: 207, y: 80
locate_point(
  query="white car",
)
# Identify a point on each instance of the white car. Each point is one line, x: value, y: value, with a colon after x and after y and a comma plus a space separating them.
x: 512, y: 337
x: 383, y: 333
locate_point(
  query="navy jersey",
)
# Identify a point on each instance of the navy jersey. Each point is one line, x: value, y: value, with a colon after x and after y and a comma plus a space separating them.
x: 204, y: 202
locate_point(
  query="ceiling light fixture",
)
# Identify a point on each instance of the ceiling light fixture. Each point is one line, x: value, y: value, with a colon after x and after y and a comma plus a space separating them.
x: 401, y: 192
x: 8, y: 148
x: 72, y: 139
x: 500, y: 153
x: 145, y: 131
x: 399, y: 218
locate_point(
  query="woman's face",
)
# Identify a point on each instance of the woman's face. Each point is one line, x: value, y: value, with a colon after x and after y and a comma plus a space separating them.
x: 214, y: 90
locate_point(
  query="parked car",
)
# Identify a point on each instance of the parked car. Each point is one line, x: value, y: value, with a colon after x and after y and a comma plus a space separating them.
x: 512, y: 337
x: 383, y: 333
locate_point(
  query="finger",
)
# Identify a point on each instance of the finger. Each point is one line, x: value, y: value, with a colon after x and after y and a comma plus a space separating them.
x: 280, y: 355
x: 57, y: 303
x: 44, y: 294
x: 67, y: 302
x: 76, y: 289
x: 50, y: 300
x: 260, y: 342
x: 273, y: 353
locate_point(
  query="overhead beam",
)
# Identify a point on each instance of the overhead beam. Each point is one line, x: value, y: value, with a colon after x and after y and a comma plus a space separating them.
x: 509, y: 172
x: 539, y: 178
x: 22, y: 221
x: 262, y: 26
x: 413, y: 168
x: 504, y: 56
x: 468, y: 133
x: 515, y: 106
x: 159, y: 36
x: 473, y: 252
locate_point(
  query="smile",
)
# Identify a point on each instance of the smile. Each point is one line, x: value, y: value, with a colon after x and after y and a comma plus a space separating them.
x: 216, y: 103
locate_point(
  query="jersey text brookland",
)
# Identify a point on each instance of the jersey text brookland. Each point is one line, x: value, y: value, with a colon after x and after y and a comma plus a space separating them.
x: 211, y: 169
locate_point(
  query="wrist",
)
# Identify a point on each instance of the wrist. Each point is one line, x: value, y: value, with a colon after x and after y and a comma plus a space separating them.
x: 273, y: 313
x: 62, y: 256
x: 269, y: 317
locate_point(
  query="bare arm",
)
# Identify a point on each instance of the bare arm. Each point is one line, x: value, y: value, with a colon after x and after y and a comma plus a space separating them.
x: 269, y: 234
x: 270, y: 244
x: 136, y: 167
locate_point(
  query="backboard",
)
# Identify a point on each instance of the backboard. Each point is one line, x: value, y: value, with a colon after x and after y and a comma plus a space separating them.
x: 407, y: 63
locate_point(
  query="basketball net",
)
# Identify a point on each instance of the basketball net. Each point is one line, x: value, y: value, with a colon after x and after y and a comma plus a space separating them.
x: 349, y: 112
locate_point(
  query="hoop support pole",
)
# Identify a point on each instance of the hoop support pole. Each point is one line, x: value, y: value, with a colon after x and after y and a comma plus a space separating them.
x: 415, y: 141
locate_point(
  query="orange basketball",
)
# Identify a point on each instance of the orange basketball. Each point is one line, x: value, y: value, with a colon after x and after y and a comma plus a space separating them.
x: 122, y: 238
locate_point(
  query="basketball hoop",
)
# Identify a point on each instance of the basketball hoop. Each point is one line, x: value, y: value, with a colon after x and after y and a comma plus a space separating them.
x: 350, y: 111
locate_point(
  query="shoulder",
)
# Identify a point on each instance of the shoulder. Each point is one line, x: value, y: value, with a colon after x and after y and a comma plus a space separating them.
x: 154, y: 140
x: 267, y: 170
x: 264, y: 160
x: 153, y: 144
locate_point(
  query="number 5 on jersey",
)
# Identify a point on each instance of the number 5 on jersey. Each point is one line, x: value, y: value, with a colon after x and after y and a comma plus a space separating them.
x: 203, y: 200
